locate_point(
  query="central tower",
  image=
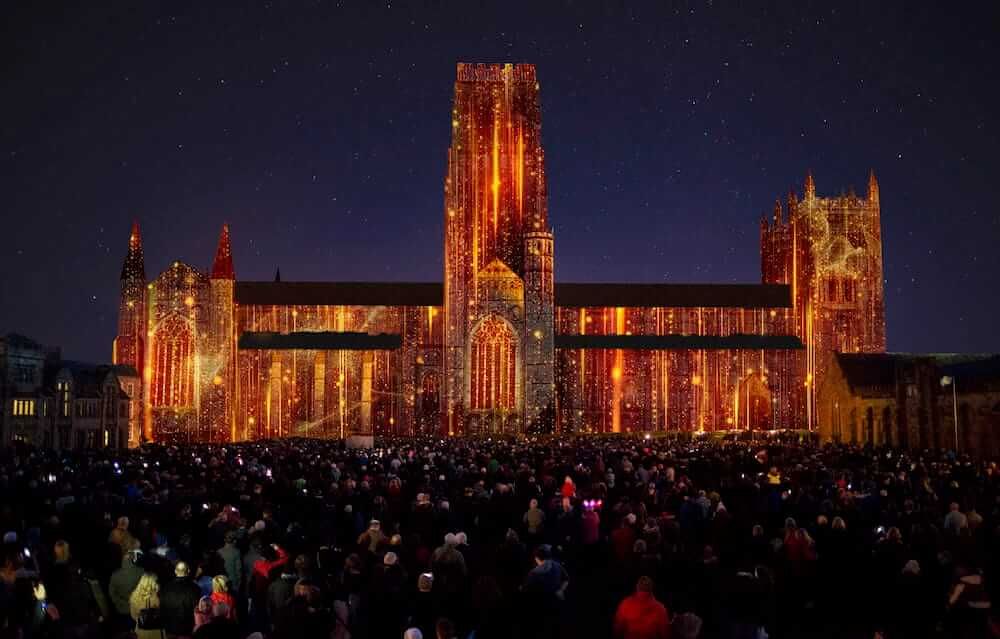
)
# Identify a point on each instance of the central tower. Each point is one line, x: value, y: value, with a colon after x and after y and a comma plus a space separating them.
x: 498, y: 305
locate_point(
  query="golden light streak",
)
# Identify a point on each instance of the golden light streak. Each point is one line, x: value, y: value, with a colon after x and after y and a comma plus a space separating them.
x: 495, y: 183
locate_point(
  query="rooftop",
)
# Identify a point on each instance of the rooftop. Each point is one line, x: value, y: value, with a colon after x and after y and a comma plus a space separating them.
x: 575, y: 295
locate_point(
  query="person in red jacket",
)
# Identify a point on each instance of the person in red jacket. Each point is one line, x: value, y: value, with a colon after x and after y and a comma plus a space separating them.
x: 262, y: 569
x: 641, y: 616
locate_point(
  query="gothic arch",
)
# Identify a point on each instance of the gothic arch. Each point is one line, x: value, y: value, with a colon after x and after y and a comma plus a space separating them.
x: 494, y: 365
x: 173, y: 374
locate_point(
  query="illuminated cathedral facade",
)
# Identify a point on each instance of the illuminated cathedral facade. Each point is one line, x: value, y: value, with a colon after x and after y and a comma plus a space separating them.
x: 829, y: 250
x: 497, y: 348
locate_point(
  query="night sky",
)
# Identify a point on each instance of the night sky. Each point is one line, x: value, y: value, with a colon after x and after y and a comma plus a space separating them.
x: 320, y: 133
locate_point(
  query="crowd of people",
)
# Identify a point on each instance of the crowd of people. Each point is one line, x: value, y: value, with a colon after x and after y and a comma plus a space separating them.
x: 624, y: 537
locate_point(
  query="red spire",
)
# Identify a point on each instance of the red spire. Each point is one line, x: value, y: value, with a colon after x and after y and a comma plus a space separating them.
x: 134, y: 266
x: 222, y: 267
x: 810, y: 188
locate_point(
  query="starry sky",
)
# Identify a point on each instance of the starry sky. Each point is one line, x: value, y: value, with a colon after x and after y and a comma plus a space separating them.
x: 319, y: 132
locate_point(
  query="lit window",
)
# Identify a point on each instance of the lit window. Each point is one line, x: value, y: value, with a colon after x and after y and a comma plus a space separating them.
x: 23, y: 408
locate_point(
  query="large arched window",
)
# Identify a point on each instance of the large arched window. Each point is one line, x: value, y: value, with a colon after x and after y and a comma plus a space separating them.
x: 172, y: 382
x: 494, y: 366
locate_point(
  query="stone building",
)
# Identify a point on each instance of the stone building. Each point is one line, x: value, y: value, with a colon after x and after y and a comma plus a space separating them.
x: 47, y: 401
x: 499, y: 346
x: 901, y: 400
x: 829, y: 250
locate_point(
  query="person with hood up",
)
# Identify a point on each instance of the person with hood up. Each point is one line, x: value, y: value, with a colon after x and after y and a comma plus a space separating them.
x: 641, y: 616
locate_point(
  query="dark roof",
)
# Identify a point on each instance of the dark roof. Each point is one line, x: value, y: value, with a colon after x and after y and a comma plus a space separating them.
x: 124, y: 370
x: 321, y: 341
x: 568, y: 295
x: 970, y: 366
x: 87, y: 378
x: 867, y: 370
x: 879, y: 369
x: 17, y: 340
x: 674, y: 295
x: 680, y: 342
x: 340, y: 293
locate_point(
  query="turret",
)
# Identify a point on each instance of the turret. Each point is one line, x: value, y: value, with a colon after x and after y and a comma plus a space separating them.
x: 222, y: 266
x: 872, y: 189
x: 218, y: 370
x: 129, y: 347
x: 539, y: 331
x: 134, y: 266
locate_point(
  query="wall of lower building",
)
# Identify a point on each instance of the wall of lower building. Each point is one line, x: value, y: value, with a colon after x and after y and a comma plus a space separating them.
x: 913, y: 411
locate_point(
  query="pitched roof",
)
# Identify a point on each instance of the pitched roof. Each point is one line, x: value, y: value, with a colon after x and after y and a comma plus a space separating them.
x: 680, y: 342
x: 124, y: 370
x: 566, y: 295
x: 279, y: 293
x: 879, y: 369
x: 16, y: 340
x: 87, y: 378
x: 333, y: 341
x: 867, y: 370
x: 674, y: 295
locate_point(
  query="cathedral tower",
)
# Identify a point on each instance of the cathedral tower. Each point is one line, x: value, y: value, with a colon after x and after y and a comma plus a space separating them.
x: 494, y: 196
x: 830, y: 251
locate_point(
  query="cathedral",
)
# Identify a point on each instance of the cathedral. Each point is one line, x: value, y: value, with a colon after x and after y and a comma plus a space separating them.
x: 499, y: 347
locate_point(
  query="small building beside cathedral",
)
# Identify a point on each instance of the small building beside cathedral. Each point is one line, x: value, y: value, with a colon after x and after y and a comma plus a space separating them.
x: 912, y: 401
x: 47, y: 401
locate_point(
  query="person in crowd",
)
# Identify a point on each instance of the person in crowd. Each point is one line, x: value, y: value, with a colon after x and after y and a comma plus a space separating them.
x: 232, y: 559
x: 641, y: 616
x: 178, y: 600
x: 534, y: 519
x: 221, y: 593
x: 877, y: 539
x: 220, y: 625
x: 373, y: 538
x: 144, y: 607
x: 124, y: 582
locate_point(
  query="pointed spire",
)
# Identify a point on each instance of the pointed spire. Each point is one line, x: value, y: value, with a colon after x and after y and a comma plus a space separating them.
x: 134, y: 266
x: 872, y: 188
x: 777, y: 212
x: 277, y: 274
x: 809, y: 192
x: 222, y: 267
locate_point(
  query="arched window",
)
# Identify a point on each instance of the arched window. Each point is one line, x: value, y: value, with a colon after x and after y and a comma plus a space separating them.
x: 493, y: 372
x: 172, y: 382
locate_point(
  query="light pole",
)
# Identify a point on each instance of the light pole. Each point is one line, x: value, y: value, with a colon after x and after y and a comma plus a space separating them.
x: 947, y: 380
